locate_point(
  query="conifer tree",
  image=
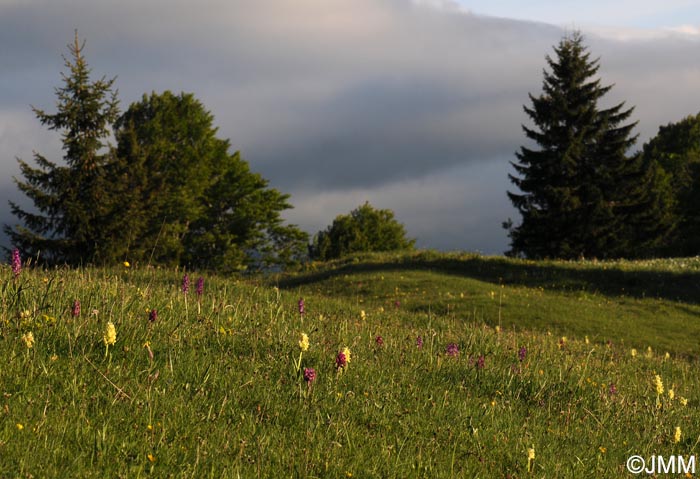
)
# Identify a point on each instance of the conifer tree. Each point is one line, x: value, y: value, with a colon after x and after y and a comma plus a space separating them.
x: 581, y: 195
x: 70, y: 197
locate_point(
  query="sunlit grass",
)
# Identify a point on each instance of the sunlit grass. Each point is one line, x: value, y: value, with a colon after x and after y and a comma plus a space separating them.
x: 215, y: 385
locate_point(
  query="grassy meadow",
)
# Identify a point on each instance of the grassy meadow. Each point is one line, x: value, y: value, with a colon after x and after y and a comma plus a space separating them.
x: 454, y: 366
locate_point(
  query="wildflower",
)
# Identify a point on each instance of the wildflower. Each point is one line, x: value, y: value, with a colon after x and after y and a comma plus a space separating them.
x: 75, y: 309
x: 683, y: 401
x: 650, y: 353
x: 677, y: 435
x: 309, y: 375
x: 612, y: 390
x: 185, y: 283
x: 498, y: 329
x: 667, y: 356
x: 301, y: 306
x: 16, y: 263
x: 379, y: 341
x: 397, y: 303
x: 199, y: 286
x: 346, y: 352
x: 480, y: 362
x: 419, y: 342
x: 633, y: 352
x: 304, y: 342
x: 153, y: 315
x: 588, y: 341
x: 28, y: 339
x: 110, y: 336
x: 562, y: 342
x: 522, y: 353
x: 363, y: 315
x: 602, y: 449
x: 341, y: 361
x: 452, y: 350
x: 152, y: 458
x: 671, y: 394
x: 126, y: 264
x: 530, y: 457
x: 659, y: 384
x: 19, y: 426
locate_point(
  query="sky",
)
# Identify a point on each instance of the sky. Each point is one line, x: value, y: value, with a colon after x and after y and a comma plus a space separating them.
x: 412, y: 105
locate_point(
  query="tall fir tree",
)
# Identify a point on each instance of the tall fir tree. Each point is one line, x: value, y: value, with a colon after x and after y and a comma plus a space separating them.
x: 581, y: 195
x: 70, y: 199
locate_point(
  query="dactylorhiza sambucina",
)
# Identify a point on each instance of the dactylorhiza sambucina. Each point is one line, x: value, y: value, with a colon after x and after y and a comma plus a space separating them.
x: 452, y: 350
x: 309, y: 375
x: 341, y: 361
x: 110, y: 335
x: 75, y: 308
x: 522, y: 353
x: 303, y: 346
x: 185, y: 284
x: 16, y: 263
x: 304, y: 342
x: 659, y: 384
x: 28, y: 339
x: 199, y: 286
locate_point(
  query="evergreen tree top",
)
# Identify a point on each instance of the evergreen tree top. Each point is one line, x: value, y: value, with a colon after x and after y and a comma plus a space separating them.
x: 85, y: 110
x: 580, y: 193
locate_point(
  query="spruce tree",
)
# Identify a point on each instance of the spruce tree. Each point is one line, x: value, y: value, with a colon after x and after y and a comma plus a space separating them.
x: 581, y: 195
x: 70, y: 197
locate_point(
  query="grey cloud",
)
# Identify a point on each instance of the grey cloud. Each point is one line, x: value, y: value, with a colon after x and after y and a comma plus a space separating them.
x: 337, y: 101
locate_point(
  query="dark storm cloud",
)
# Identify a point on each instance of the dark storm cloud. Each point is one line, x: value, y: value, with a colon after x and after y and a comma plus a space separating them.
x: 337, y: 101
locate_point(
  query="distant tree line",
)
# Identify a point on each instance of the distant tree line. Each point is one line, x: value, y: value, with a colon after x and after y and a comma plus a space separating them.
x: 583, y: 193
x: 364, y: 229
x: 169, y: 192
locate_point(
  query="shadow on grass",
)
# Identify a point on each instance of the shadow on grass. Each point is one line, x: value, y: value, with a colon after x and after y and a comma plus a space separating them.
x: 603, y: 278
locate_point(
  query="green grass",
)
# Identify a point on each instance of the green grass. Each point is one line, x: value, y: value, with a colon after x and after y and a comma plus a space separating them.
x: 222, y: 395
